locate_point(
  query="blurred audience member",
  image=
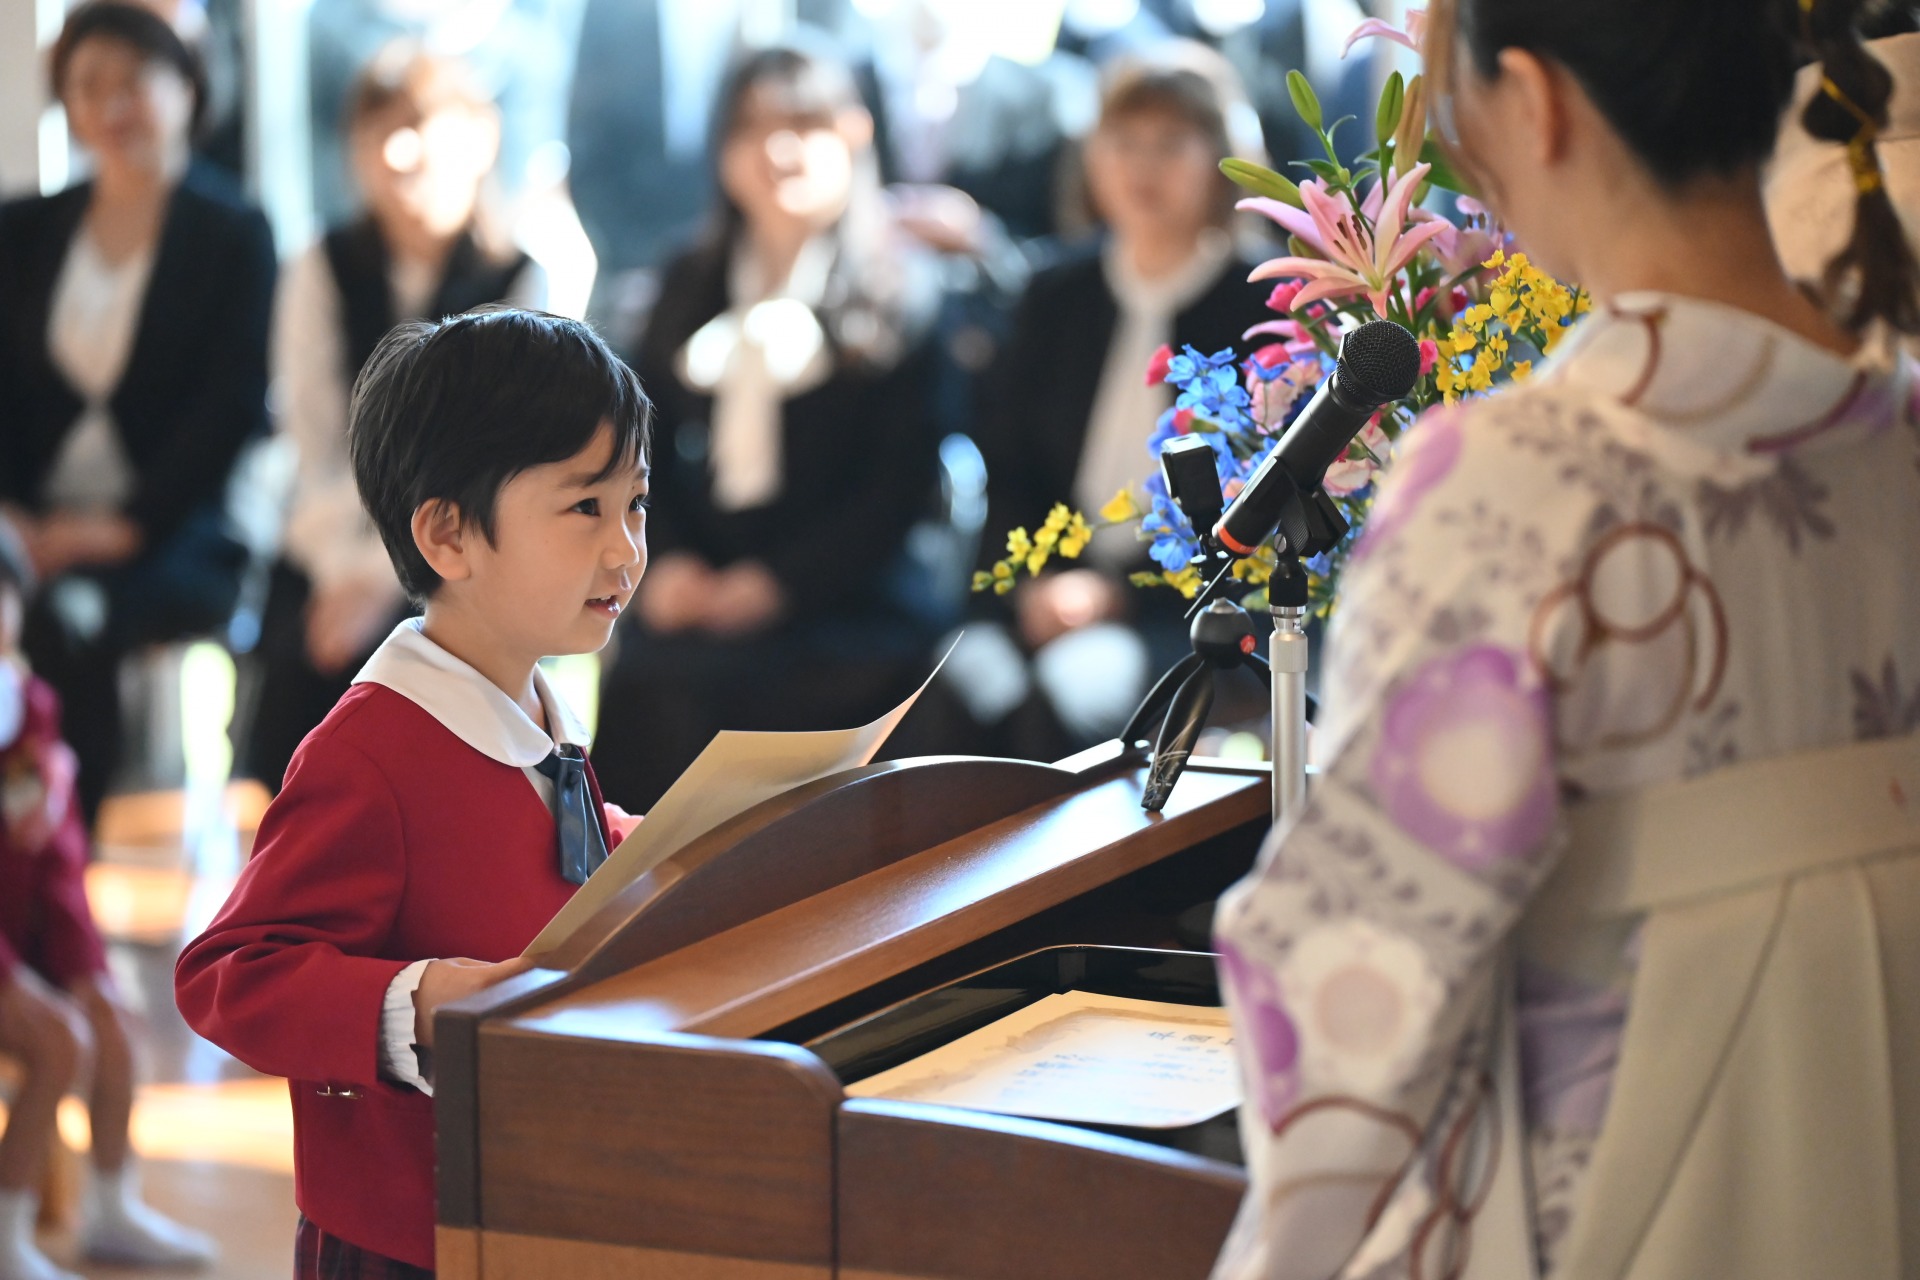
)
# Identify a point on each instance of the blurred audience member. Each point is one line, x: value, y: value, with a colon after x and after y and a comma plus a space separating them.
x: 423, y: 138
x: 56, y: 996
x: 1070, y: 403
x: 133, y: 366
x: 979, y: 99
x: 790, y: 360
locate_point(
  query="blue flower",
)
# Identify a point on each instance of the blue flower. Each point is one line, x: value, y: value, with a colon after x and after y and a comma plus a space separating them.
x: 1163, y: 431
x: 1174, y: 544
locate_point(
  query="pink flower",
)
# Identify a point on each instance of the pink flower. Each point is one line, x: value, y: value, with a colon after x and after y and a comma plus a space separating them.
x: 1281, y: 299
x: 1372, y: 27
x: 1157, y: 367
x: 1272, y: 398
x: 1429, y: 355
x: 1361, y: 259
x: 1350, y: 474
x: 1292, y: 335
x: 1183, y: 422
x: 1272, y: 354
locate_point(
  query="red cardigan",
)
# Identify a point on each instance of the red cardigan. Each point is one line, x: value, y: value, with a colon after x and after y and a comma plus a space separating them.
x: 392, y: 841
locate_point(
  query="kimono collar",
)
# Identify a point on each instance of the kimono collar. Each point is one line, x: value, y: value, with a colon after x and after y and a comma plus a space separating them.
x: 1731, y: 382
x: 471, y: 706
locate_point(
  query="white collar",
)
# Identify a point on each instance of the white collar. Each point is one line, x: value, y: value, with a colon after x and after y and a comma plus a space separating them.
x: 466, y: 702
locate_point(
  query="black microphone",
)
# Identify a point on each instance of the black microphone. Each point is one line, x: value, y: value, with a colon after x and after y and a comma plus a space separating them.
x: 1377, y: 364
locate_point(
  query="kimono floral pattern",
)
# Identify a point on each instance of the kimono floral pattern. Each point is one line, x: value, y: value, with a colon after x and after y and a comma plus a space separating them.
x: 1633, y: 569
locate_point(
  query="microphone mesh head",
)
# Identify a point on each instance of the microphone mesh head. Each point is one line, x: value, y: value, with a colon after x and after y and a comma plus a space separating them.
x: 1380, y: 359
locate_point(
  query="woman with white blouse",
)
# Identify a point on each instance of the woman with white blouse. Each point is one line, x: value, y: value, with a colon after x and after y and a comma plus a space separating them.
x: 423, y: 138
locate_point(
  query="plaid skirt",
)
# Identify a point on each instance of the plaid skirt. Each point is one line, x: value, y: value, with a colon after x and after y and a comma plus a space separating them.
x: 319, y: 1256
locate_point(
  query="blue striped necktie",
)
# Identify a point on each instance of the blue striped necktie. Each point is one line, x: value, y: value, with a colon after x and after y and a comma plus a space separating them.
x: 583, y: 846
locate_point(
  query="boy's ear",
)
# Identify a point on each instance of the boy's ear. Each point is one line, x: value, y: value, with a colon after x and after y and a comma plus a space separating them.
x: 440, y: 534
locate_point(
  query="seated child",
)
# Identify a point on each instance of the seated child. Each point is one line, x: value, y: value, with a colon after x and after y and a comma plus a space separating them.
x: 55, y: 995
x: 444, y: 810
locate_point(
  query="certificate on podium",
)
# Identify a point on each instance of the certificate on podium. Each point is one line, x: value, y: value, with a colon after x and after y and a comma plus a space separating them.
x: 737, y: 771
x: 1082, y: 1057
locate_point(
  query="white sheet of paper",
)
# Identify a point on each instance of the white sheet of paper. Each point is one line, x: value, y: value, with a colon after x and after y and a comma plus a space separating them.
x: 736, y: 772
x: 1080, y: 1056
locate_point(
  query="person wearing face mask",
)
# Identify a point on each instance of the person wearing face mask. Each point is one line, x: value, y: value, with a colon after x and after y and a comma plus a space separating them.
x: 1070, y: 404
x: 1591, y: 951
x: 133, y: 367
x: 423, y: 140
x: 790, y: 357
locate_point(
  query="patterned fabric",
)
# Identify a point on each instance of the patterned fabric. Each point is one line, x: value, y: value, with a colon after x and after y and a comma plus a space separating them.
x: 1687, y: 543
x: 319, y: 1256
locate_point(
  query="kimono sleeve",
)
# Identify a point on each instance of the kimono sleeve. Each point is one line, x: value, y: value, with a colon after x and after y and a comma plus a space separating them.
x: 289, y: 977
x: 1362, y: 956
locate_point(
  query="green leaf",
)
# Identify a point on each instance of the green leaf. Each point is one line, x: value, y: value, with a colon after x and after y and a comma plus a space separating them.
x: 1443, y: 174
x: 1306, y: 103
x: 1300, y: 248
x: 1262, y: 181
x: 1393, y: 100
x: 1326, y: 170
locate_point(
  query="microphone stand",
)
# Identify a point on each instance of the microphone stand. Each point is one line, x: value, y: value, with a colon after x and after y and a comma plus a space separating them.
x: 1222, y: 638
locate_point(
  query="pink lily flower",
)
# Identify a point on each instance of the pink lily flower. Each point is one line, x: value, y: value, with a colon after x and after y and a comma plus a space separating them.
x: 1365, y: 252
x: 1372, y: 27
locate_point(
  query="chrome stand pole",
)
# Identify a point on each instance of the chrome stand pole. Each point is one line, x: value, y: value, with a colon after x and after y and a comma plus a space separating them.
x: 1288, y: 662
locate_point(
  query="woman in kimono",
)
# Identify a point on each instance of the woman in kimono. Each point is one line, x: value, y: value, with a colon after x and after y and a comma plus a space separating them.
x: 1592, y: 952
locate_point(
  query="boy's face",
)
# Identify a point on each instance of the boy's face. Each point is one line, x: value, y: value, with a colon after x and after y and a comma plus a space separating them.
x: 565, y: 556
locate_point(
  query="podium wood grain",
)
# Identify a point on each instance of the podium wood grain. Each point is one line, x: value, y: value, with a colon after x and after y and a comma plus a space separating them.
x: 631, y: 1121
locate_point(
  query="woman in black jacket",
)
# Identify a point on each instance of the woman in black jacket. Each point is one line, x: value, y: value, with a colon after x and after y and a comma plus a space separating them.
x: 1069, y: 404
x: 133, y: 366
x: 790, y: 361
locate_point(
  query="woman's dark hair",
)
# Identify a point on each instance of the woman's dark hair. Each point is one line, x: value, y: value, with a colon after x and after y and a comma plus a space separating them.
x: 873, y: 306
x: 1875, y: 275
x: 1697, y: 89
x: 137, y: 27
x: 454, y: 409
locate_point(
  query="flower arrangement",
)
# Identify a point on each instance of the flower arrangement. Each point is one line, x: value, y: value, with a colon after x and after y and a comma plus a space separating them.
x: 1360, y: 246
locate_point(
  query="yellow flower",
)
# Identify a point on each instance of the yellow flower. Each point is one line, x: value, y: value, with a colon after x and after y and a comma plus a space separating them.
x: 1143, y: 579
x: 1521, y: 369
x: 1464, y: 341
x: 1019, y: 545
x: 1187, y: 582
x: 1003, y: 572
x: 1075, y: 539
x: 1037, y: 561
x: 1498, y: 259
x: 1057, y: 518
x: 1002, y: 586
x: 1121, y: 508
x: 1045, y: 539
x: 982, y: 580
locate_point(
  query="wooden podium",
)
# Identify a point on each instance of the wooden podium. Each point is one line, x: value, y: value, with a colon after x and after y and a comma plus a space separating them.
x: 648, y: 1108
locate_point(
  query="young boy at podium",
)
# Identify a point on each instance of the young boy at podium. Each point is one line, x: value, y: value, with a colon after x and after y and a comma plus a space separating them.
x: 444, y: 810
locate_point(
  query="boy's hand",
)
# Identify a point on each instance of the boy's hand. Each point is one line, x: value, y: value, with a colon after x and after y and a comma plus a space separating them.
x: 444, y: 981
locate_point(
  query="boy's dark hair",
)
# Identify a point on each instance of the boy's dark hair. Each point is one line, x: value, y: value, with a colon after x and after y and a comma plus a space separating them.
x: 139, y: 28
x: 455, y: 409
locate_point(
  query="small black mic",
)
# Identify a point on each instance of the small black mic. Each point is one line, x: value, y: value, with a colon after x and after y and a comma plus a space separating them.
x: 1378, y: 364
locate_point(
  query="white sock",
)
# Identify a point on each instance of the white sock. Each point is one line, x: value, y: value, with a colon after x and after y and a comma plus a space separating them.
x: 121, y: 1227
x: 20, y: 1256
